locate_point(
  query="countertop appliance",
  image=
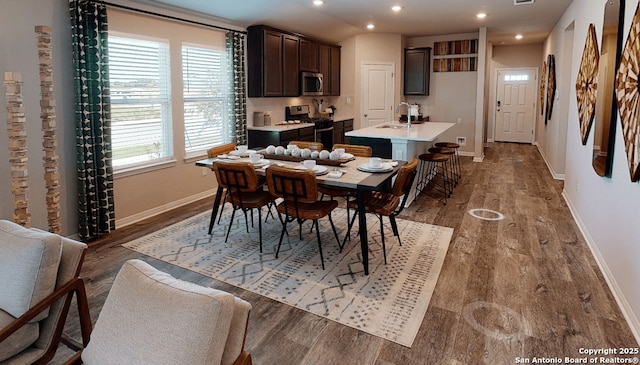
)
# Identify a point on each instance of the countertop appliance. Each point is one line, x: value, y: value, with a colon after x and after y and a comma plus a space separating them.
x: 322, y: 126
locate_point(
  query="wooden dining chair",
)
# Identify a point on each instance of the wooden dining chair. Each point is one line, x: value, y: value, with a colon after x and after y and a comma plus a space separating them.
x: 346, y: 193
x: 299, y: 192
x: 313, y: 146
x: 391, y: 203
x: 220, y: 150
x: 244, y: 191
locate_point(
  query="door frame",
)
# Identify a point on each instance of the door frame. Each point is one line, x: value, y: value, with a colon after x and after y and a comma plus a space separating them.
x: 363, y: 64
x: 494, y: 99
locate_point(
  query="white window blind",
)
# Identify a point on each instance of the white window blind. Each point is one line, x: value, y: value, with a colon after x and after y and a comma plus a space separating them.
x: 140, y: 101
x: 207, y: 98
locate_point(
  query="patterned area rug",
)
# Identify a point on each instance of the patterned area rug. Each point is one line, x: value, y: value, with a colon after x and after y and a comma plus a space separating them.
x: 390, y: 302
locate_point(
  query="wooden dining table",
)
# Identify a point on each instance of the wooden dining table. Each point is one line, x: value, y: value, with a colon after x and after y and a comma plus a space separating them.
x: 351, y: 177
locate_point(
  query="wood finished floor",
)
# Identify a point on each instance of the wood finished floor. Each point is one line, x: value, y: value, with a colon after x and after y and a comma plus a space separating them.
x: 523, y: 286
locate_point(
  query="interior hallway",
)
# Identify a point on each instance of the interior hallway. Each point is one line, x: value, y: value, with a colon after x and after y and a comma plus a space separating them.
x: 523, y: 286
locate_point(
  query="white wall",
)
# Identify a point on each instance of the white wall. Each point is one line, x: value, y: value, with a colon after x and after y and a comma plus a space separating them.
x: 606, y: 209
x: 452, y: 95
x: 19, y: 54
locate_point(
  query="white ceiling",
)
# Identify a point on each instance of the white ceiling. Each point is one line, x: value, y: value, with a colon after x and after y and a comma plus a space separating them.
x: 337, y: 20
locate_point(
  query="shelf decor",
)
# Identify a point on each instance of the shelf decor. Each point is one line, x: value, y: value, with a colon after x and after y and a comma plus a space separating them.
x: 628, y: 96
x: 447, y: 56
x: 587, y: 83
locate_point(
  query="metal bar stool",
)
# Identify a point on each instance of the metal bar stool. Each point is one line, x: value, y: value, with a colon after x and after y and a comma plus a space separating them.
x: 453, y: 176
x: 456, y: 147
x: 433, y: 175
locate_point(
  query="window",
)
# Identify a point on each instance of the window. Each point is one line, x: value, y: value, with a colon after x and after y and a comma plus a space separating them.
x: 514, y: 77
x: 207, y: 94
x: 140, y: 101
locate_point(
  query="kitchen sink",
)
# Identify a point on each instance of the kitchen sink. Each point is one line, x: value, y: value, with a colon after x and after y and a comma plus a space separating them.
x: 393, y: 126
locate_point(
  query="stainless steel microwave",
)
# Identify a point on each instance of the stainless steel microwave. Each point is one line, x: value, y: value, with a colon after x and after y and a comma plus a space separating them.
x: 311, y: 83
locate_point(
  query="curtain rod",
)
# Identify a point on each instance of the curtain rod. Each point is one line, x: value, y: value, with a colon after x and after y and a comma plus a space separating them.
x: 165, y: 16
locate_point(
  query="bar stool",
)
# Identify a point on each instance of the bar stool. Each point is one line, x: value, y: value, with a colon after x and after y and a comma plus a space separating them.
x: 450, y: 152
x: 433, y: 172
x: 456, y: 160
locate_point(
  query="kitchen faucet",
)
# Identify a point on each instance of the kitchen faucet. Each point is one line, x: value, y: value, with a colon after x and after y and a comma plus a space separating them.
x: 408, y: 116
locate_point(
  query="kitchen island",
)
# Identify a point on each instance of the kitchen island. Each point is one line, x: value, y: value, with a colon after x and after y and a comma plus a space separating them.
x: 399, y: 141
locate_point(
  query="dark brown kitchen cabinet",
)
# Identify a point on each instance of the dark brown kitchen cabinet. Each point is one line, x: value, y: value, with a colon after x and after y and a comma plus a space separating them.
x: 416, y: 71
x: 308, y: 55
x: 264, y: 138
x: 272, y: 62
x: 330, y: 68
x: 340, y: 127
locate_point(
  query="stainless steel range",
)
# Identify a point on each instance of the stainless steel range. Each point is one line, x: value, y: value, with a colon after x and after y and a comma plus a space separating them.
x: 322, y: 127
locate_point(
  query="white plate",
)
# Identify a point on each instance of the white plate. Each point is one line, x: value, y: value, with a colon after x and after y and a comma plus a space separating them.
x: 347, y: 156
x: 384, y: 167
x: 262, y: 162
x: 238, y: 153
x: 319, y: 169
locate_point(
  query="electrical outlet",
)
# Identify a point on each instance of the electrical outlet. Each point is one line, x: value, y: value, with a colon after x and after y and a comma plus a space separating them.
x: 348, y: 100
x: 459, y: 120
x: 204, y: 171
x: 462, y: 141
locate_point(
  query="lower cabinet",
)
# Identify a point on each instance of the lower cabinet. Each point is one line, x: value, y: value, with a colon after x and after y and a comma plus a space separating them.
x: 340, y: 128
x: 263, y: 138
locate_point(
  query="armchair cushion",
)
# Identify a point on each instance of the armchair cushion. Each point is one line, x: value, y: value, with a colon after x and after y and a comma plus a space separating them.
x: 150, y: 317
x: 19, y: 340
x: 29, y: 261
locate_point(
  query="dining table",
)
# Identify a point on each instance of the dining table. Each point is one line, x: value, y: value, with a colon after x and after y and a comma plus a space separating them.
x: 347, y: 174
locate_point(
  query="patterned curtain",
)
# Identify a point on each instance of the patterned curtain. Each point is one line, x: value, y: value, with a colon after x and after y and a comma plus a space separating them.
x: 238, y: 104
x: 92, y: 118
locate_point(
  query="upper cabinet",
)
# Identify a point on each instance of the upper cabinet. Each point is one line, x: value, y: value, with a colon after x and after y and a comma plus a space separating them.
x: 416, y: 71
x: 275, y: 59
x: 273, y: 62
x: 309, y: 55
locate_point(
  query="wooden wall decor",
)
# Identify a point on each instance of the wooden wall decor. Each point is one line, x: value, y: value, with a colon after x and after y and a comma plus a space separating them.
x: 551, y: 86
x: 17, y: 148
x: 628, y: 96
x: 543, y: 87
x: 48, y: 116
x: 446, y: 56
x: 587, y: 83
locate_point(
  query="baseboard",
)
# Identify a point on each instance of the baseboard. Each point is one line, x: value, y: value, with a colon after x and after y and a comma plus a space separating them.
x: 625, y: 307
x: 163, y: 208
x: 549, y: 167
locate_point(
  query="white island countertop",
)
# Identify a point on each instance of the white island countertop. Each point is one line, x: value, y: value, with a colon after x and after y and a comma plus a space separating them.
x: 426, y: 132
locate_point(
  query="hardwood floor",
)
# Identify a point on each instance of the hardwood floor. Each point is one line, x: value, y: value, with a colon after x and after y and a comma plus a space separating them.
x: 525, y: 286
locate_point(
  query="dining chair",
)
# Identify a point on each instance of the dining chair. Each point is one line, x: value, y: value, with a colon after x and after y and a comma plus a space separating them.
x: 244, y: 191
x: 215, y: 152
x: 313, y: 146
x: 391, y: 203
x: 346, y: 193
x: 298, y: 190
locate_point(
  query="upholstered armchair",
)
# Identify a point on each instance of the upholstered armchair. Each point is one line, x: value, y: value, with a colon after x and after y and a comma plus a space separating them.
x: 39, y: 274
x: 149, y: 317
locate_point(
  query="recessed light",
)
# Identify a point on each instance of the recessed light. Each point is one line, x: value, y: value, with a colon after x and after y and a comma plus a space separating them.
x: 519, y: 36
x: 396, y: 8
x: 370, y: 26
x: 481, y: 15
x: 318, y: 2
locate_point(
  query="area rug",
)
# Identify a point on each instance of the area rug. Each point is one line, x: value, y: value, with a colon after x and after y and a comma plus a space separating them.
x: 389, y: 303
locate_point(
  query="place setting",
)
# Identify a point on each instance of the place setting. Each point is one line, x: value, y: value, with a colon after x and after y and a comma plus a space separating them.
x: 377, y: 165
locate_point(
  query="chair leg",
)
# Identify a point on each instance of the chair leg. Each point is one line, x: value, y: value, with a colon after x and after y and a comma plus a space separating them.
x: 349, y: 226
x: 394, y: 227
x: 333, y: 227
x: 260, y: 227
x: 384, y: 249
x: 233, y: 213
x: 315, y: 223
x: 284, y: 229
x: 224, y: 199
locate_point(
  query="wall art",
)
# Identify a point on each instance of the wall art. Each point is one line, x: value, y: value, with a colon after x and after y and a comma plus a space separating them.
x: 628, y: 96
x: 543, y: 87
x: 587, y: 83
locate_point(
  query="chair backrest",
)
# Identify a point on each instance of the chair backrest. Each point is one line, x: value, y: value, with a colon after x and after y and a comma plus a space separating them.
x: 292, y: 184
x: 404, y: 180
x: 314, y: 146
x: 149, y: 317
x: 355, y: 149
x: 219, y: 150
x: 236, y: 176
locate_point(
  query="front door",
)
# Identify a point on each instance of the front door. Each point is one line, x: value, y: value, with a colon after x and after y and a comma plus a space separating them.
x: 515, y: 105
x: 377, y: 93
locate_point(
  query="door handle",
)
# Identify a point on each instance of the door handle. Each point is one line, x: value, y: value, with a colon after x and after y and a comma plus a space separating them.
x: 366, y: 115
x: 498, y: 105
